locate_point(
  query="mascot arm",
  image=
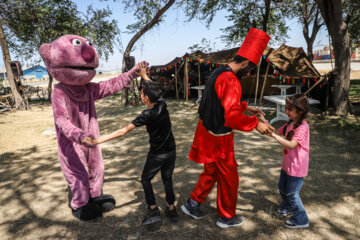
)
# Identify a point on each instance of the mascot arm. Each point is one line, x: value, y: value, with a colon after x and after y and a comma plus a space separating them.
x: 114, y: 85
x: 62, y: 120
x: 70, y: 131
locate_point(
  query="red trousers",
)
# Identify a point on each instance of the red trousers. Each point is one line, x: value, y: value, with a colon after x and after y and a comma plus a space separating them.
x: 227, y: 179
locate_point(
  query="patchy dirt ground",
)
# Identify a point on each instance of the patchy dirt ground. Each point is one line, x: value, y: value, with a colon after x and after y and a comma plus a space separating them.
x: 34, y: 195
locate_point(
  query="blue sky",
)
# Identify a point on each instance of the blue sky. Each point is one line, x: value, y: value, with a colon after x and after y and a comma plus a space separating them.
x: 174, y: 36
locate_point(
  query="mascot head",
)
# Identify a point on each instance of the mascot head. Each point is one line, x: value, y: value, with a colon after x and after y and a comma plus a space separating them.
x: 70, y: 59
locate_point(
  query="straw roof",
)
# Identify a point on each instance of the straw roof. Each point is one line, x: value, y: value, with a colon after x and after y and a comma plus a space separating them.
x: 220, y: 57
x: 290, y: 62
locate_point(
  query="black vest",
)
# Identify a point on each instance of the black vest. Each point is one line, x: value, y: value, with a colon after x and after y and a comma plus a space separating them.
x: 211, y: 112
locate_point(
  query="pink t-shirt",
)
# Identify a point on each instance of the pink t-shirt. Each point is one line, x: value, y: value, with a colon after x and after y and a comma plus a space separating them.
x: 296, y: 161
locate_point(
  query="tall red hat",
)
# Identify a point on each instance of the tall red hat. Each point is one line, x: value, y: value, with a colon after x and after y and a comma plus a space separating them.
x: 254, y: 45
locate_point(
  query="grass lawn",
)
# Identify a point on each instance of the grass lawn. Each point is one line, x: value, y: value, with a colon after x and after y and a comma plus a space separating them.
x: 354, y: 92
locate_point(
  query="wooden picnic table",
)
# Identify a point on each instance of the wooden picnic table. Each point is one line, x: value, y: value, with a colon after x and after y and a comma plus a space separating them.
x: 280, y: 106
x: 200, y: 90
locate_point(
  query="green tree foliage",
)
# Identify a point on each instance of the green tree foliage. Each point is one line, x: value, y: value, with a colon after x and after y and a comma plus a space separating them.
x: 144, y: 12
x: 148, y: 14
x: 351, y: 9
x: 309, y: 16
x: 29, y: 23
x: 204, y: 46
x: 267, y: 15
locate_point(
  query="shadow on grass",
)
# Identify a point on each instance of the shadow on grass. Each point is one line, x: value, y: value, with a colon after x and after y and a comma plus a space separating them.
x: 34, y: 200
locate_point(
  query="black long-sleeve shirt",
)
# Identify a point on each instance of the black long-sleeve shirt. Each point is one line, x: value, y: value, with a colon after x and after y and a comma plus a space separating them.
x: 158, y: 125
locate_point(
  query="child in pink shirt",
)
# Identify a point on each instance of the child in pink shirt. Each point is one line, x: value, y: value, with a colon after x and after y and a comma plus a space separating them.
x: 294, y: 136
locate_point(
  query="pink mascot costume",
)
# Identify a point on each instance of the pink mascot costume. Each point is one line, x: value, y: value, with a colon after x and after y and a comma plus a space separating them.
x: 72, y: 60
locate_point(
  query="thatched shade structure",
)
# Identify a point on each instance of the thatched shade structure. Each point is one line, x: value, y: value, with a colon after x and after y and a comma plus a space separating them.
x: 287, y: 64
x: 291, y: 62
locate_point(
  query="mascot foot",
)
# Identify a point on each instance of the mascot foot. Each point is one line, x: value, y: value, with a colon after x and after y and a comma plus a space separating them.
x: 88, y: 212
x: 107, y: 202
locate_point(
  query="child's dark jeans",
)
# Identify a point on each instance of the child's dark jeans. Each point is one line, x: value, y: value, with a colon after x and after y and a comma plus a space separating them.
x: 290, y: 193
x: 154, y: 163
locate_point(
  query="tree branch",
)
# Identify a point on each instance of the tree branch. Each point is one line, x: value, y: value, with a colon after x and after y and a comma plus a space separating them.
x: 148, y: 26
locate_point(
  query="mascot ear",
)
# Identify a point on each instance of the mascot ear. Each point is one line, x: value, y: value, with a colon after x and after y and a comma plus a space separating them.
x: 45, y: 51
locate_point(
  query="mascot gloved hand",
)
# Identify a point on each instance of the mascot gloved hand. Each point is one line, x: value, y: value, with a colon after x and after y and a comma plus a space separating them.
x: 72, y: 60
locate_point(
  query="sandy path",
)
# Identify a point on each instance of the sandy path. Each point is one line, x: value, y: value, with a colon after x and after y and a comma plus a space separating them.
x: 33, y: 200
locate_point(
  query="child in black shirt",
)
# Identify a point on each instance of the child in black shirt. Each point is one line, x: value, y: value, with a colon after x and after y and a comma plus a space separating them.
x: 162, y: 153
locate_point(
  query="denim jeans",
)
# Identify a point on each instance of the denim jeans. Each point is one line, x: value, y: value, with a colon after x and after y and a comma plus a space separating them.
x: 290, y: 193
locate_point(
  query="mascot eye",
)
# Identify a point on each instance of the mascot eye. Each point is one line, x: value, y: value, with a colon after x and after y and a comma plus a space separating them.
x: 76, y: 42
x: 89, y: 43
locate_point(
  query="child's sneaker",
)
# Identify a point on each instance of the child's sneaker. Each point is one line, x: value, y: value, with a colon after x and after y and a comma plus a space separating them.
x: 172, y: 214
x: 283, y: 212
x: 289, y: 224
x: 191, y: 210
x: 152, y: 216
x: 230, y: 222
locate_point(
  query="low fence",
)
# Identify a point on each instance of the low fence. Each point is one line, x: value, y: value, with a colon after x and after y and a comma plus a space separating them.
x: 37, y: 89
x: 30, y: 92
x: 28, y: 81
x: 35, y: 92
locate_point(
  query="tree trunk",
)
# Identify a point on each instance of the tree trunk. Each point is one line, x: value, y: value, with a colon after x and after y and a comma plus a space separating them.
x: 50, y: 86
x: 147, y: 27
x: 331, y: 11
x: 19, y: 101
x: 310, y: 54
x: 308, y: 15
x: 266, y: 15
x: 124, y: 100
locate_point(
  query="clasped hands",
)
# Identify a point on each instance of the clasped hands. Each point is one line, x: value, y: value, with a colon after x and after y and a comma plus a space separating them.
x: 89, y: 141
x: 143, y: 70
x: 263, y: 126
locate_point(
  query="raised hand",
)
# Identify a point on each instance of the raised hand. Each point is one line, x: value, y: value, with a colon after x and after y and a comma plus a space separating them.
x: 143, y: 70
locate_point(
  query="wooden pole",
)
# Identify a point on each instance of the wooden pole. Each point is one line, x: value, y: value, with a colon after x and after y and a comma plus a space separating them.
x: 257, y: 79
x: 308, y: 83
x: 176, y: 87
x: 264, y: 83
x: 327, y: 98
x: 185, y: 63
x: 199, y: 72
x: 317, y: 83
x: 186, y: 95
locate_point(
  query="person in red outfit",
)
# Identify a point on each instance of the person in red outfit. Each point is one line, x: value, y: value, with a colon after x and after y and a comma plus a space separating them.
x: 220, y: 113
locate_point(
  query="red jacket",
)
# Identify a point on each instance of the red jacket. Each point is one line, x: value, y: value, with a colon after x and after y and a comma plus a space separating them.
x: 208, y: 148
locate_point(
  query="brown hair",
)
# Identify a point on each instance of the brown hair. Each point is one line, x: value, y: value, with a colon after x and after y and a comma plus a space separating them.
x: 301, y: 104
